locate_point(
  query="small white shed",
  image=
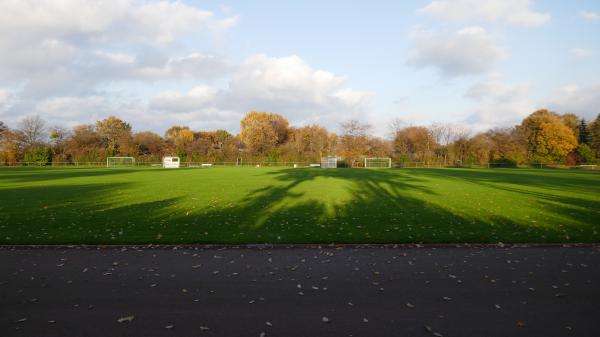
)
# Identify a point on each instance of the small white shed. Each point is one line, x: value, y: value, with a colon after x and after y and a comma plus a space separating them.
x: 171, y: 162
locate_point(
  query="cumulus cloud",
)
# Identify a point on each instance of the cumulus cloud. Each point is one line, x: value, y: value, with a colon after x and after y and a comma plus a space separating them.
x: 498, y: 104
x: 286, y: 85
x: 513, y: 12
x: 74, y: 60
x: 132, y: 58
x: 102, y: 21
x: 469, y: 51
x: 589, y: 16
x: 195, y: 66
x: 72, y: 110
x: 582, y: 100
x: 198, y: 97
x: 111, y: 40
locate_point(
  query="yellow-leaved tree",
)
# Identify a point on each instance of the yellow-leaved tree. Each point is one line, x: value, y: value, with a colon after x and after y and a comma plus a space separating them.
x: 116, y: 135
x: 261, y: 132
x: 548, y: 138
x: 181, y: 137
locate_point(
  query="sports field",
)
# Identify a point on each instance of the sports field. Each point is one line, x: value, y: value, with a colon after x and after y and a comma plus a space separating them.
x: 285, y: 205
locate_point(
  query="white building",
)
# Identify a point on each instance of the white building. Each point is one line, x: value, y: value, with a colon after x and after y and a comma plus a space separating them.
x: 171, y: 162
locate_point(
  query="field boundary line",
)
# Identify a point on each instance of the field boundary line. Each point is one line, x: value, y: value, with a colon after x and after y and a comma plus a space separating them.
x: 301, y: 245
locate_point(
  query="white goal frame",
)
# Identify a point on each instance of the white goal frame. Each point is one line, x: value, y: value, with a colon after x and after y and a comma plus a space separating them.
x: 108, y: 161
x: 381, y: 162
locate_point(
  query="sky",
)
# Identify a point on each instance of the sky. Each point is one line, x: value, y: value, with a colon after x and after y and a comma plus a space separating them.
x: 479, y: 63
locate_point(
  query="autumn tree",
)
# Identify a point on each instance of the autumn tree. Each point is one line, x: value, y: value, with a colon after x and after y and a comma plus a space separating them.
x: 3, y: 128
x: 33, y: 130
x: 444, y: 134
x: 414, y: 143
x: 11, y: 150
x: 594, y: 136
x: 261, y: 132
x: 308, y: 142
x: 181, y: 138
x: 379, y: 148
x: 547, y: 136
x: 507, y: 146
x: 218, y: 145
x: 58, y: 139
x: 477, y: 149
x: 332, y: 143
x: 85, y: 145
x: 115, y: 134
x: 354, y: 141
x: 149, y: 145
x: 572, y: 122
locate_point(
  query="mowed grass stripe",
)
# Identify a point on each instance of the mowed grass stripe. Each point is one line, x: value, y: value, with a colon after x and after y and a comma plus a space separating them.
x: 284, y: 205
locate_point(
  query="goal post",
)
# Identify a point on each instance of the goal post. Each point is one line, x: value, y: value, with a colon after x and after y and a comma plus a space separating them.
x: 378, y: 162
x: 120, y: 161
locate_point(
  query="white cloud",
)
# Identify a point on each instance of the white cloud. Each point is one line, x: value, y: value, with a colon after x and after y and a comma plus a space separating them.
x: 589, y: 16
x: 493, y: 88
x: 75, y: 60
x: 583, y: 100
x: 582, y: 52
x: 498, y: 104
x: 286, y: 85
x: 195, y: 65
x: 469, y: 51
x: 514, y: 12
x: 110, y: 40
x: 74, y: 109
x: 101, y: 21
x: 290, y: 86
x: 198, y: 97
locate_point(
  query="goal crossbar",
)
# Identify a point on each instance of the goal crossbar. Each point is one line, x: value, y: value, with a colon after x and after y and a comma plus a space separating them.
x: 120, y: 161
x: 378, y: 162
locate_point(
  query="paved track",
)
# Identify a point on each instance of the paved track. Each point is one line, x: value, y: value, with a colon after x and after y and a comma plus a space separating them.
x: 289, y: 291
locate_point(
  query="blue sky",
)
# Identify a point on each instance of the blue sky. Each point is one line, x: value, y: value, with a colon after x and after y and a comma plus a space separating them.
x: 481, y: 63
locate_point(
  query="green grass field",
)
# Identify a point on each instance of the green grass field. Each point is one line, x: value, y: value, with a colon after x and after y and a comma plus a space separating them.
x: 258, y: 205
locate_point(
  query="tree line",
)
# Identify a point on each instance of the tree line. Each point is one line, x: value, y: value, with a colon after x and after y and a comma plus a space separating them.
x: 542, y: 137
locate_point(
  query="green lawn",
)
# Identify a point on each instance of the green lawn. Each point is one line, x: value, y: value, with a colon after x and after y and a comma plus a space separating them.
x: 256, y: 205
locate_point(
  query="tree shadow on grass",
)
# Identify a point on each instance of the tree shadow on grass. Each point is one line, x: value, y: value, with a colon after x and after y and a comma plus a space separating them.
x: 573, y: 198
x: 558, y: 179
x: 41, y: 174
x: 91, y: 213
x: 380, y: 207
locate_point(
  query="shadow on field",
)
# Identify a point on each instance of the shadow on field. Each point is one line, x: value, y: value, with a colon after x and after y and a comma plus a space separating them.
x: 578, y: 209
x: 380, y: 208
x: 40, y: 174
x: 557, y: 179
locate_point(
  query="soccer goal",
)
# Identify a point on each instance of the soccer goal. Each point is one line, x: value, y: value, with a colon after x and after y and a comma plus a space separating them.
x: 329, y: 162
x: 120, y: 161
x: 378, y: 162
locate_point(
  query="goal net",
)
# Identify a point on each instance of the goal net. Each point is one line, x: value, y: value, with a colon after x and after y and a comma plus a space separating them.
x: 329, y: 162
x: 378, y: 162
x: 120, y: 161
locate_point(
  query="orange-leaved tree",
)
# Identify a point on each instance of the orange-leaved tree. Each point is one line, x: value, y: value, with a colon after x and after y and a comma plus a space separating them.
x: 261, y: 132
x: 548, y: 138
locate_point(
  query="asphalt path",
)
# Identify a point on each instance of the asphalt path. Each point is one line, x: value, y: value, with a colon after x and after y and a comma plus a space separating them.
x: 300, y: 291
